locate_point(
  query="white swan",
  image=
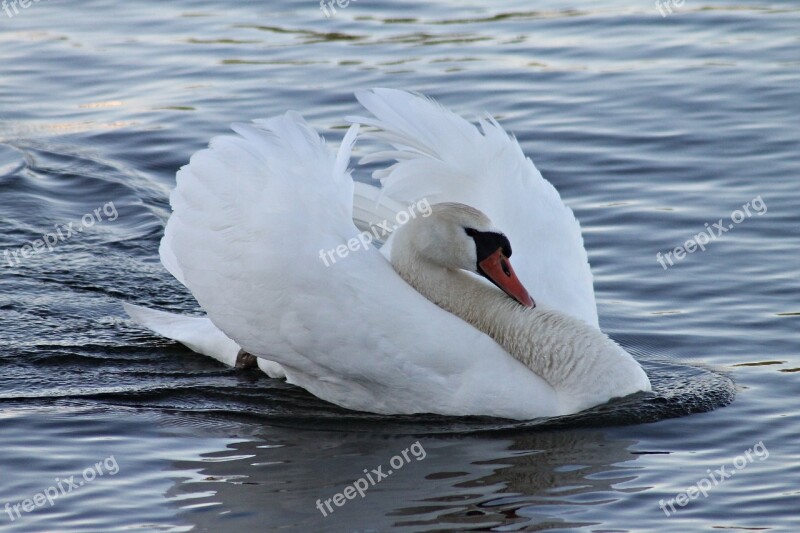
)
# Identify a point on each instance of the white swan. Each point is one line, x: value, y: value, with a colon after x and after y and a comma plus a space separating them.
x: 252, y: 213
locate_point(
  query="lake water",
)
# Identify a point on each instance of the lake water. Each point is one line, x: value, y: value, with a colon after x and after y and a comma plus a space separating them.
x: 654, y: 128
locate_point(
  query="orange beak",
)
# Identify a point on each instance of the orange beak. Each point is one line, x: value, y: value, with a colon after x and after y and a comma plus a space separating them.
x: 497, y: 269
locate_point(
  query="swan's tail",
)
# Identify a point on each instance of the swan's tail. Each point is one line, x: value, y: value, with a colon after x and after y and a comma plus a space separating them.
x: 199, y: 334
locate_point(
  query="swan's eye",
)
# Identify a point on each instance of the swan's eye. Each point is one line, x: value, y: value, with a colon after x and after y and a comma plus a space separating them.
x: 471, y: 231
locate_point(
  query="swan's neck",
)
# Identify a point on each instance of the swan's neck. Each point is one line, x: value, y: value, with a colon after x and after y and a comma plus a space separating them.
x: 541, y: 339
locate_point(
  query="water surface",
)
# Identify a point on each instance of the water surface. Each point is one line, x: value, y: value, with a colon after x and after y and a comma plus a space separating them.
x: 651, y: 127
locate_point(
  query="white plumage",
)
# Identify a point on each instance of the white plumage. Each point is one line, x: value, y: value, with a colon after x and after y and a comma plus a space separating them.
x: 252, y: 212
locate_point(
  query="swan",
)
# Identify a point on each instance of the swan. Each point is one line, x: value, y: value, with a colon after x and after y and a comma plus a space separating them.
x: 434, y: 321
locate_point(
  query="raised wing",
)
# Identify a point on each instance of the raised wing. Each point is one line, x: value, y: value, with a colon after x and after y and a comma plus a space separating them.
x: 440, y: 156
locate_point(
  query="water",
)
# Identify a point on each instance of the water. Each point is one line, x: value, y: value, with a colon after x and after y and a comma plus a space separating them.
x: 649, y: 126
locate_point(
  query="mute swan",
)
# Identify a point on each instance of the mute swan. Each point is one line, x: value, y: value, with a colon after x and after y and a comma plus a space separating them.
x: 252, y: 212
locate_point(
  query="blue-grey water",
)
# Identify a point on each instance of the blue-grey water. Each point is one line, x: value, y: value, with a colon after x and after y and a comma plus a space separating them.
x: 654, y: 128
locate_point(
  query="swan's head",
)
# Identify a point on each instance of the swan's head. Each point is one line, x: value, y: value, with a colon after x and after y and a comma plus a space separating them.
x: 458, y: 236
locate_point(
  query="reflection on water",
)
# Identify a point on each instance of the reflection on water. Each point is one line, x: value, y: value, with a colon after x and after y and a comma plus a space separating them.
x: 182, y: 472
x: 465, y: 482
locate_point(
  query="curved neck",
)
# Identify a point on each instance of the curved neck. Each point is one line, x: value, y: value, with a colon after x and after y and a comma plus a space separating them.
x: 532, y: 336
